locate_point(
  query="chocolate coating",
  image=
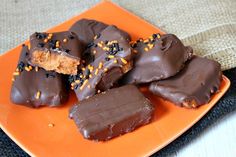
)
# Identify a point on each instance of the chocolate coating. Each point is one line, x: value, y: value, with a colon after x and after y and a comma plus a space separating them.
x: 112, y: 58
x: 64, y: 49
x: 27, y: 84
x: 112, y: 113
x: 86, y: 29
x: 192, y: 86
x: 157, y: 58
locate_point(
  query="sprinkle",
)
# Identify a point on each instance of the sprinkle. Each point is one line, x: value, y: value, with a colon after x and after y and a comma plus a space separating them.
x: 57, y: 44
x: 115, y: 61
x: 95, y: 37
x: 140, y: 39
x: 16, y: 73
x: 111, y: 56
x: 27, y: 68
x: 158, y: 36
x: 50, y: 74
x: 107, y: 59
x: 90, y: 68
x: 29, y: 46
x: 134, y: 45
x: 17, y: 69
x: 71, y: 37
x: 37, y: 96
x: 83, y: 69
x: 30, y: 67
x: 67, y: 51
x: 150, y: 46
x: 13, y: 79
x: 49, y: 36
x: 135, y: 51
x: 94, y: 51
x: 89, y: 86
x: 51, y: 125
x: 65, y: 40
x: 99, y: 45
x: 151, y: 38
x: 100, y: 65
x: 98, y: 91
x: 36, y: 68
x: 72, y: 84
x: 77, y: 81
x: 40, y: 44
x: 40, y: 35
x: 96, y: 72
x: 123, y: 60
x: 90, y: 45
x: 83, y: 84
x: 90, y: 75
x: 146, y: 41
x: 105, y: 48
x: 154, y: 36
x: 105, y: 69
x: 45, y: 40
x: 146, y: 49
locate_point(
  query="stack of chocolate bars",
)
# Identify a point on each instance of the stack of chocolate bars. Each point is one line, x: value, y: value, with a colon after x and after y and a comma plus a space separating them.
x: 104, y: 67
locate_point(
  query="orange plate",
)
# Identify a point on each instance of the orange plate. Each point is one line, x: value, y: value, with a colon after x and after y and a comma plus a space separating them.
x: 29, y: 127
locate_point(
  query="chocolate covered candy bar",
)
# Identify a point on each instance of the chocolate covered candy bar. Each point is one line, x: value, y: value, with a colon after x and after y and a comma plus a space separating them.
x: 112, y: 113
x: 86, y: 29
x: 60, y: 52
x: 158, y: 57
x: 34, y: 87
x: 112, y: 59
x: 193, y: 86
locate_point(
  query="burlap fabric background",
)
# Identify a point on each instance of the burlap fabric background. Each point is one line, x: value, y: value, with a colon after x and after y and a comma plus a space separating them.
x: 209, y: 26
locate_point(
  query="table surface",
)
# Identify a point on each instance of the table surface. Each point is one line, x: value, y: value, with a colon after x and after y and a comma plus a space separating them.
x: 218, y: 140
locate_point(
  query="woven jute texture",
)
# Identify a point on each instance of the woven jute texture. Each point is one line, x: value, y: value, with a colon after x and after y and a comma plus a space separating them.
x: 209, y: 26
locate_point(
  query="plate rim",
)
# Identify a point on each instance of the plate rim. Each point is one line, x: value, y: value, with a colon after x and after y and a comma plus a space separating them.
x: 226, y: 87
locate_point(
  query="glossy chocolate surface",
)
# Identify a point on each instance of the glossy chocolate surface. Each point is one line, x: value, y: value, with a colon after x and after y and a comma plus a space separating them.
x: 112, y: 113
x: 193, y: 86
x: 34, y: 87
x: 157, y: 58
x: 112, y: 56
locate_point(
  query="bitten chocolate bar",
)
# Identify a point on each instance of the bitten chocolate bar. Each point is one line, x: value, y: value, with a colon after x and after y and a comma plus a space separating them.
x: 193, y: 86
x: 34, y: 87
x: 60, y: 52
x: 112, y: 113
x: 112, y: 59
x: 157, y: 57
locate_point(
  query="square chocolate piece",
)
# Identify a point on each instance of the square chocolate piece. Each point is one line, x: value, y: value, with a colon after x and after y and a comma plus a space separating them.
x: 112, y: 113
x: 193, y: 86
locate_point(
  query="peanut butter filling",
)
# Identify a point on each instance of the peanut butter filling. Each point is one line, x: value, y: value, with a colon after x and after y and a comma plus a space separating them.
x: 55, y: 61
